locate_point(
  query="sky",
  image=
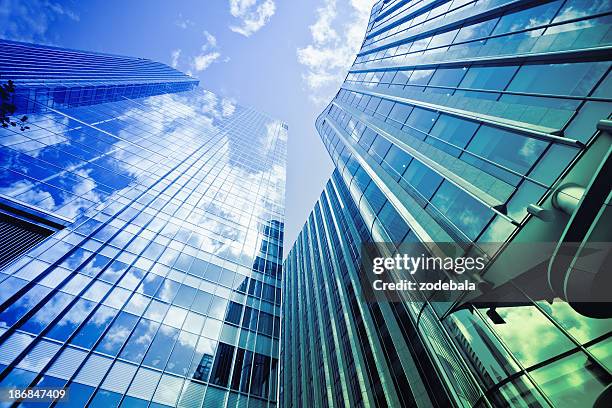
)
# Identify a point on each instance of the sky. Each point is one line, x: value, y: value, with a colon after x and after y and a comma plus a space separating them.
x: 285, y: 58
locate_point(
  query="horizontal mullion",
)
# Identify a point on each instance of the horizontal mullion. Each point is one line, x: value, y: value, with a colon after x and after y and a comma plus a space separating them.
x: 395, y: 21
x: 416, y: 225
x: 493, y: 91
x: 469, y: 18
x: 466, y: 186
x: 574, y: 55
x: 535, y: 131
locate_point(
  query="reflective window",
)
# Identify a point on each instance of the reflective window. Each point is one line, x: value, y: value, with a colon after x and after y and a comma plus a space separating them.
x: 422, y: 178
x: 140, y: 339
x: 117, y: 334
x: 420, y: 122
x: 457, y: 132
x: 478, y: 30
x: 185, y: 296
x: 393, y: 223
x: 521, y: 338
x: 396, y: 161
x: 25, y: 303
x: 202, y: 302
x: 71, y: 320
x: 507, y: 149
x: 94, y: 327
x: 234, y: 313
x: 150, y: 284
x: 462, y: 210
x: 374, y: 197
x: 446, y: 77
x: 104, y: 399
x: 531, y: 17
x: 492, y: 78
x: 168, y: 290
x: 552, y: 78
x: 180, y: 359
x: 79, y: 395
x: 202, y: 359
x: 160, y: 348
x: 578, y: 386
x: 47, y: 313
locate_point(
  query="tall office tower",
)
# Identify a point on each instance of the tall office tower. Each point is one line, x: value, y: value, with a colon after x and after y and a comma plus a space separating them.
x: 55, y: 77
x: 479, y: 123
x: 146, y: 235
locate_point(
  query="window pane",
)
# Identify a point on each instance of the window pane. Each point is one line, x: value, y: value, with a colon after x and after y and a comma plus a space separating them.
x: 466, y: 213
x: 160, y: 348
x: 89, y: 333
x: 223, y: 362
x: 71, y: 320
x: 552, y: 78
x: 181, y: 355
x: 47, y: 313
x: 139, y: 341
x: 234, y: 312
x: 117, y: 334
x: 394, y: 224
x: 506, y: 149
x: 573, y: 381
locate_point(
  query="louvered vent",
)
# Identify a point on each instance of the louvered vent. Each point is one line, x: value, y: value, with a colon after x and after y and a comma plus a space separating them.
x: 17, y: 237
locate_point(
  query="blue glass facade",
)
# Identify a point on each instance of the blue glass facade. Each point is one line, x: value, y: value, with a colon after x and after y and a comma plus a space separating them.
x: 459, y: 122
x: 159, y: 284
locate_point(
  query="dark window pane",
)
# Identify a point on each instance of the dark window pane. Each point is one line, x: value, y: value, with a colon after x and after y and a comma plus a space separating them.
x: 261, y: 375
x: 234, y: 312
x: 393, y: 223
x: 223, y: 362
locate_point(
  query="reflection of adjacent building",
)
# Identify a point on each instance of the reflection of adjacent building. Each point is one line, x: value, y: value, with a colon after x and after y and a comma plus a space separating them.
x: 147, y: 224
x: 457, y: 124
x: 251, y: 372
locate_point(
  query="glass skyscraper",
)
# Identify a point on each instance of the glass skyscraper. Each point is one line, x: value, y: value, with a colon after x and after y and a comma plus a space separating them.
x: 54, y: 77
x: 141, y: 226
x: 479, y: 123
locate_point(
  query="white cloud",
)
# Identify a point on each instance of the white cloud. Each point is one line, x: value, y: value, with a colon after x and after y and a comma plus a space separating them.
x: 203, y: 61
x: 253, y: 15
x: 335, y: 41
x: 228, y: 106
x: 30, y: 21
x: 208, y: 56
x: 211, y: 40
x: 61, y: 11
x: 183, y: 22
x: 175, y: 57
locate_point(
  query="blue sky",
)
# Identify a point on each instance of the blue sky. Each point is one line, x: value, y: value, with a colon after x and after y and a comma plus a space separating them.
x: 286, y: 58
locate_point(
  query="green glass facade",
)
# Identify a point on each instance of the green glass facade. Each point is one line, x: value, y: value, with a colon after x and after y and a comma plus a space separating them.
x: 462, y: 122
